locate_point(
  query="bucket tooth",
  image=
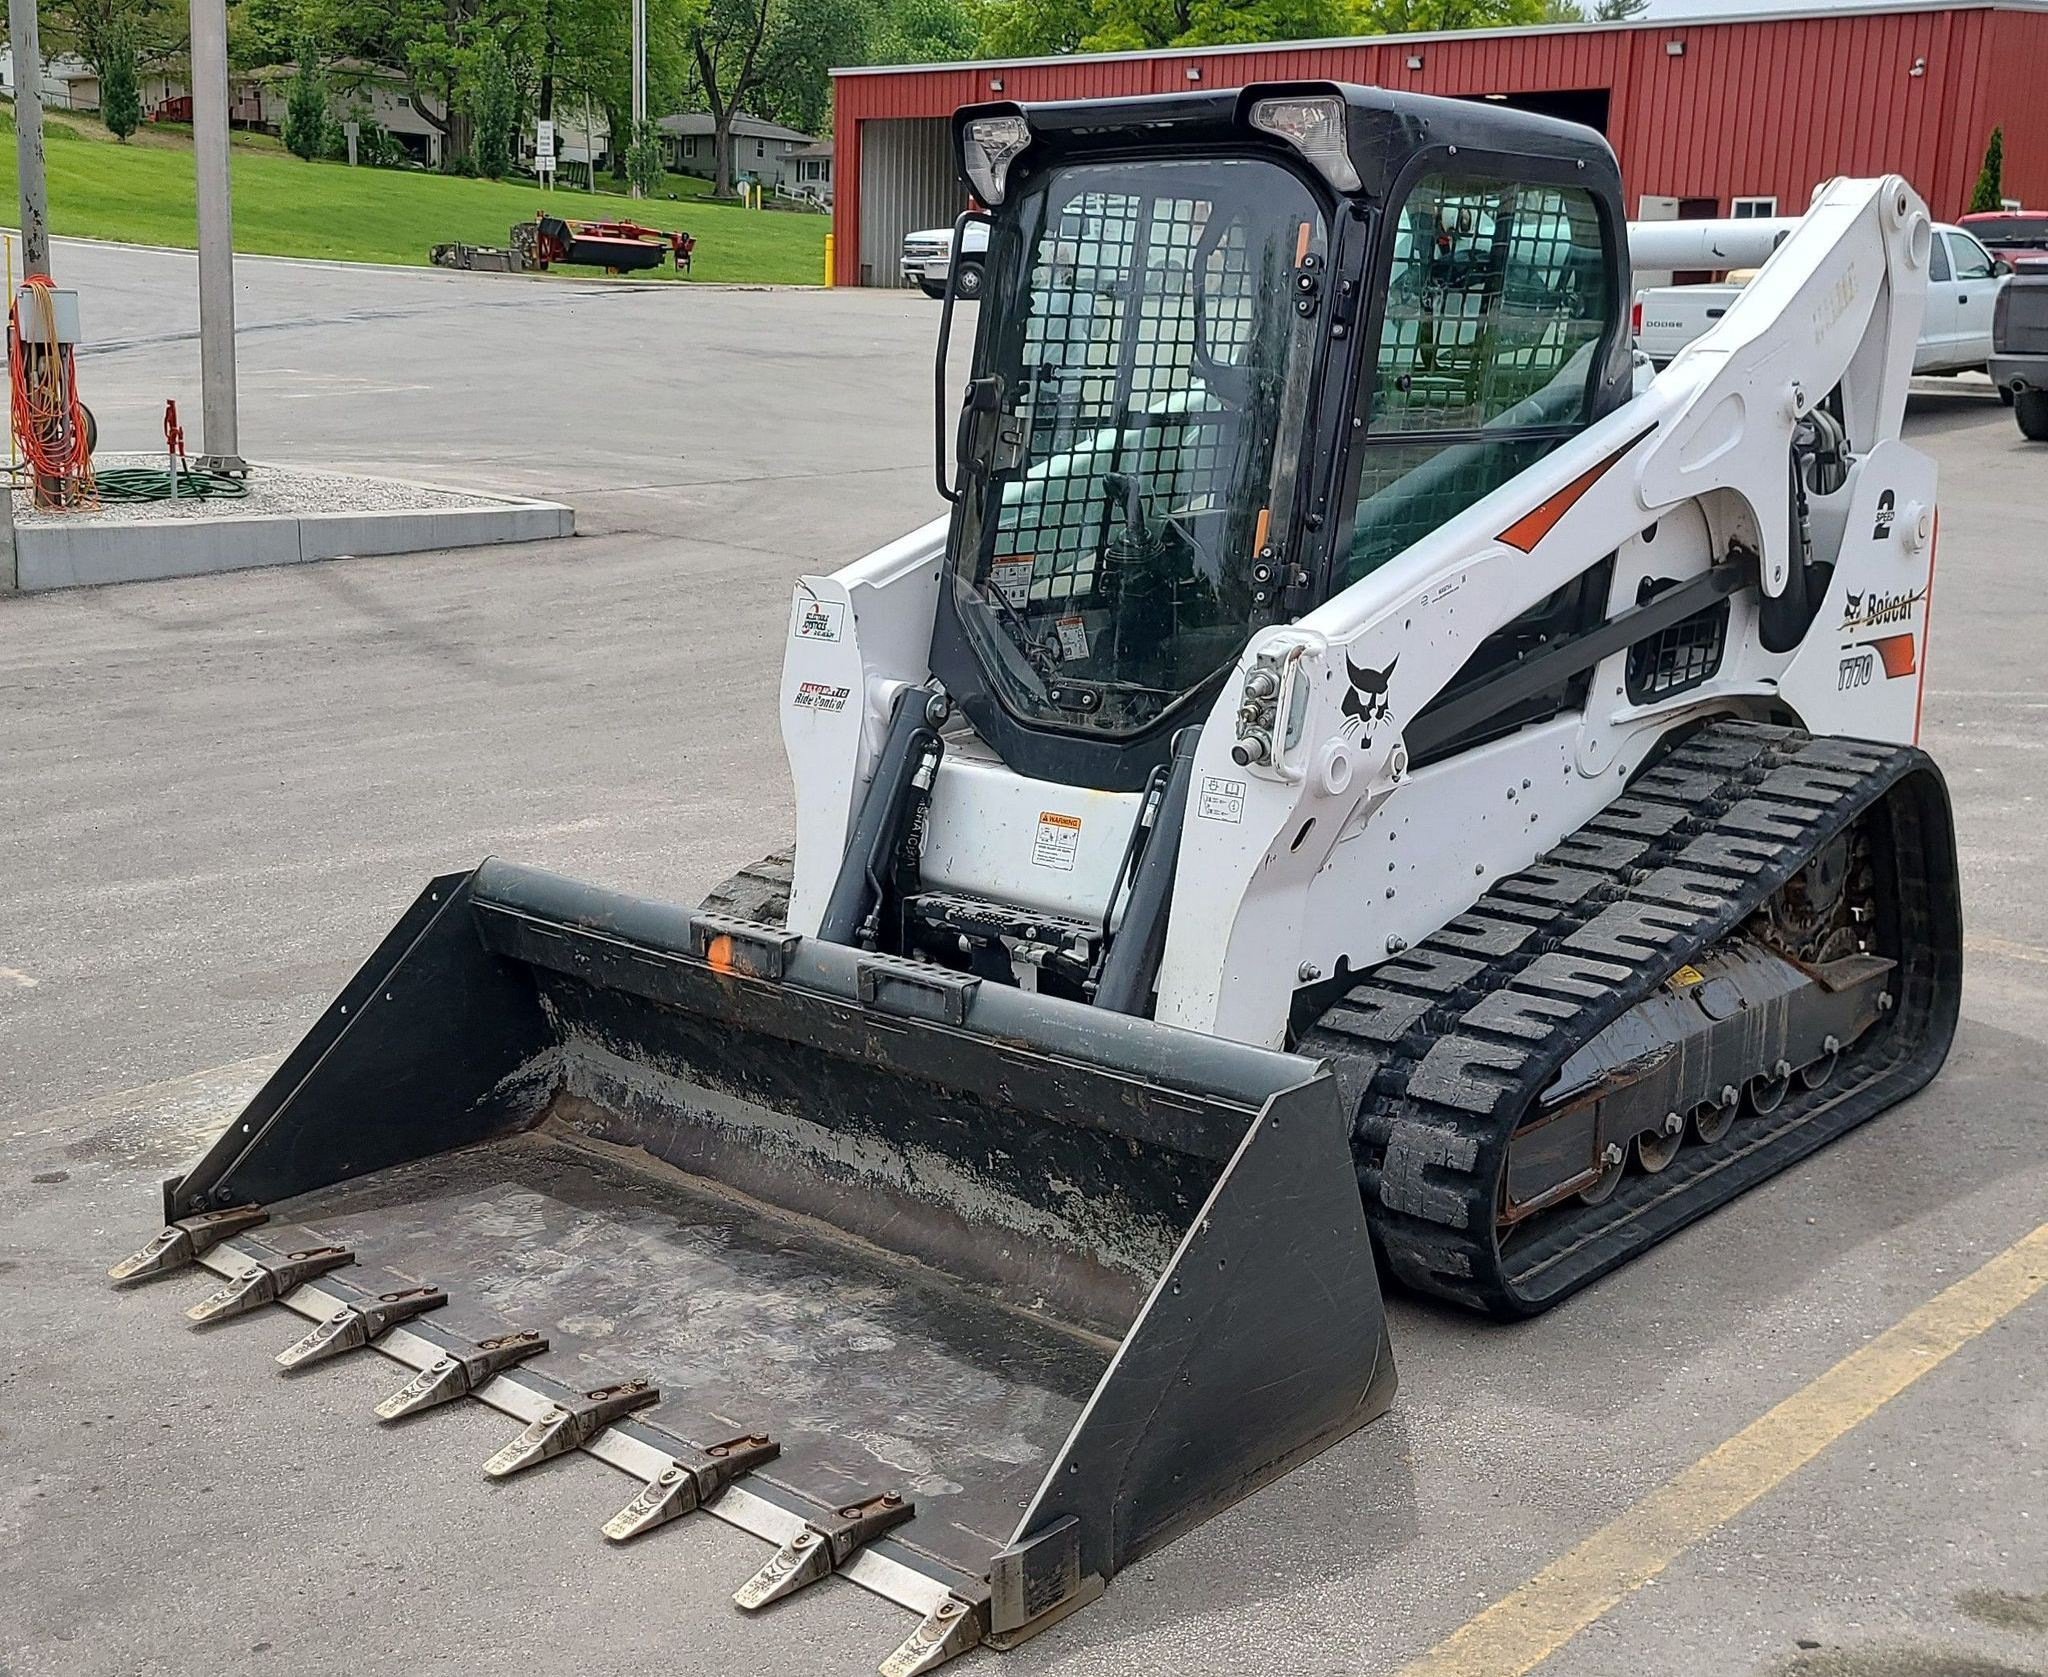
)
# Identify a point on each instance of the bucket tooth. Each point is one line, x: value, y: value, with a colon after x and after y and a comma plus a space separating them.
x: 822, y: 1546
x: 688, y: 1482
x: 570, y: 1422
x: 355, y: 1325
x: 267, y: 1280
x: 186, y: 1240
x: 458, y: 1373
x: 953, y: 1627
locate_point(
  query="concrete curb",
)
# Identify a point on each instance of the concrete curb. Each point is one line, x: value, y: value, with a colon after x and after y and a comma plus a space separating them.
x: 89, y: 555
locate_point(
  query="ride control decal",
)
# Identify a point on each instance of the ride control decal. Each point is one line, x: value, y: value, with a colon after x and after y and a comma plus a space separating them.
x: 815, y: 695
x: 1058, y: 840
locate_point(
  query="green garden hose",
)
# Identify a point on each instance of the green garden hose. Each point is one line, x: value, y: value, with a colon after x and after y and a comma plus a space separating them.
x: 125, y: 485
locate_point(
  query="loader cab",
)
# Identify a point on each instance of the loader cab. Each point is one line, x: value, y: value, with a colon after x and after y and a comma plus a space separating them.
x: 1235, y: 350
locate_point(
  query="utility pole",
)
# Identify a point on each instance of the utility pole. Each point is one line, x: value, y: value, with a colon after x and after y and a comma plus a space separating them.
x: 28, y: 135
x: 24, y: 37
x: 217, y: 430
x: 35, y: 218
x: 639, y: 76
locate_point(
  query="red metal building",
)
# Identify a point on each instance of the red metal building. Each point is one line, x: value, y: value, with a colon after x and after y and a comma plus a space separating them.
x: 1711, y: 117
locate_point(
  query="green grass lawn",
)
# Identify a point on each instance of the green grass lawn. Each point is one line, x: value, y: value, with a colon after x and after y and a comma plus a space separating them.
x: 142, y: 192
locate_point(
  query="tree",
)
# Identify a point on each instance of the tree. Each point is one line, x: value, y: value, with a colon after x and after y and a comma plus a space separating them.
x: 643, y: 160
x: 1033, y: 28
x: 495, y: 112
x: 97, y: 29
x: 305, y: 111
x: 1618, y: 11
x: 1404, y: 17
x: 1989, y: 193
x: 120, y: 97
x: 726, y: 42
x: 924, y: 32
x: 808, y: 39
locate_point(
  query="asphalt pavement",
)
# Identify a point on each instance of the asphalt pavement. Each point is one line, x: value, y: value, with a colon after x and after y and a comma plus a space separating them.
x: 216, y: 794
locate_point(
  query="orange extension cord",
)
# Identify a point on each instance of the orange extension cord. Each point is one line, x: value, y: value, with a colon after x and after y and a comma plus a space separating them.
x: 49, y: 420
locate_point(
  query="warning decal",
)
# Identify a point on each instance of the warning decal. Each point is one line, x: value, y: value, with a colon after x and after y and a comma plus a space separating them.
x: 1059, y: 838
x: 1222, y: 800
x: 1012, y: 577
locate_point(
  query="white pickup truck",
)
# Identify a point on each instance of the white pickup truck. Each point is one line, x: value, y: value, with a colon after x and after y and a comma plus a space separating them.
x: 928, y: 254
x: 1963, y: 281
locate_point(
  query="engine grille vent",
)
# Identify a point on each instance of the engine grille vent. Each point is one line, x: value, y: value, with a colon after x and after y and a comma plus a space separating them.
x: 1680, y: 658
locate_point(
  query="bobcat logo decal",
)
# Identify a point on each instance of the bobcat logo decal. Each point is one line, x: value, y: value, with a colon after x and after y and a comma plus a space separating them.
x: 1365, y: 706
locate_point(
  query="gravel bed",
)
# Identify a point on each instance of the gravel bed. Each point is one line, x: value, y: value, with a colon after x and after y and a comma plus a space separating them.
x: 274, y: 491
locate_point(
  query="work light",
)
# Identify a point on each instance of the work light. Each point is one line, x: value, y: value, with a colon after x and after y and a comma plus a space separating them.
x: 1314, y: 125
x: 988, y: 146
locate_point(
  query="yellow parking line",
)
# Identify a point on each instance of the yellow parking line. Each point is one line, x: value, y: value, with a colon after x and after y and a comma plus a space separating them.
x: 1983, y: 944
x: 1525, y: 1627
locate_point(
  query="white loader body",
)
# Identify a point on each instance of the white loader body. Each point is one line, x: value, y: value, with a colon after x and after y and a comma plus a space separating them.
x: 1334, y: 851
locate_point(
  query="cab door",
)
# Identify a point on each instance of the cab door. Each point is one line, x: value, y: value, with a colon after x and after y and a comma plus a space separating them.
x: 1976, y: 284
x: 1938, y: 324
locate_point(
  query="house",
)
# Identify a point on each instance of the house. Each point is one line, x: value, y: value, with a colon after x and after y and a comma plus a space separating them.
x: 807, y: 173
x: 758, y: 147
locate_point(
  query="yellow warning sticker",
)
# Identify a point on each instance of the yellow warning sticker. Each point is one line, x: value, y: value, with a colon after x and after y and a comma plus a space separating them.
x: 1685, y: 978
x: 1059, y: 838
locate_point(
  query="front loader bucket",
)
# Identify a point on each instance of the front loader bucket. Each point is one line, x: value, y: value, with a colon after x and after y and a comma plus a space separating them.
x: 968, y: 1295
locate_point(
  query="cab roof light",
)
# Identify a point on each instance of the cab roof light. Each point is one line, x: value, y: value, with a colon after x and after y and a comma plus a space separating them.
x: 1314, y: 125
x: 988, y: 146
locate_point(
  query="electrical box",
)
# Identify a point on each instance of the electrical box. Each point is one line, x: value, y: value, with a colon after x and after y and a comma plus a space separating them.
x: 38, y: 308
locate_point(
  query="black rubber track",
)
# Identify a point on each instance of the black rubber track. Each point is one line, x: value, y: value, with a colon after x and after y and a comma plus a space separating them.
x: 1448, y: 1048
x: 759, y: 891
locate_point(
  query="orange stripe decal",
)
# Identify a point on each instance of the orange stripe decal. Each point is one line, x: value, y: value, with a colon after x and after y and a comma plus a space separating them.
x: 1532, y: 527
x: 1927, y: 619
x: 1897, y: 653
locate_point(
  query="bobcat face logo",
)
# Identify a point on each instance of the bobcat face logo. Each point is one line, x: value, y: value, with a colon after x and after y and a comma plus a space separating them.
x: 1365, y: 706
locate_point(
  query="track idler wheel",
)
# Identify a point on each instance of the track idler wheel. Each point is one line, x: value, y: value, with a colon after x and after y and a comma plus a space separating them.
x: 1767, y: 1094
x: 1601, y: 1189
x: 1655, y: 1152
x: 1710, y: 1122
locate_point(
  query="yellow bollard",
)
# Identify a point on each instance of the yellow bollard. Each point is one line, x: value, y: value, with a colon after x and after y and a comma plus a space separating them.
x: 828, y: 261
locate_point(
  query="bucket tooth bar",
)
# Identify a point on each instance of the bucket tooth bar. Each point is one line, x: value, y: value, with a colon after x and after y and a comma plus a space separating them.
x: 824, y: 1545
x: 950, y: 1630
x: 458, y: 1371
x: 692, y: 1478
x: 186, y: 1241
x: 267, y: 1280
x: 366, y: 1316
x: 570, y: 1422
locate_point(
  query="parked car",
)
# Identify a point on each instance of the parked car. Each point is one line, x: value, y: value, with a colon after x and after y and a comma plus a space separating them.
x: 928, y: 254
x: 1963, y: 281
x: 2017, y: 235
x: 2019, y: 348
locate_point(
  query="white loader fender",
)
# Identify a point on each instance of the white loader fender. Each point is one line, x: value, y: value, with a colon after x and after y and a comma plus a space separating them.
x: 856, y: 638
x: 1257, y: 835
x: 1861, y: 669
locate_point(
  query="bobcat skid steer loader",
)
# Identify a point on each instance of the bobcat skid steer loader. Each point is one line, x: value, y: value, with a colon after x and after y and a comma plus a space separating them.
x: 1352, y: 775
